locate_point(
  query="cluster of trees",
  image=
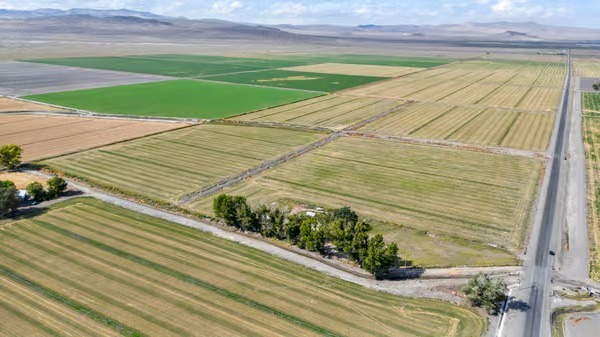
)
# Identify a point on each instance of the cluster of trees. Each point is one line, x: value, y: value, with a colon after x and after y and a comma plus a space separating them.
x: 10, y: 156
x: 56, y: 186
x: 596, y: 86
x: 9, y: 197
x: 487, y: 292
x: 341, y: 228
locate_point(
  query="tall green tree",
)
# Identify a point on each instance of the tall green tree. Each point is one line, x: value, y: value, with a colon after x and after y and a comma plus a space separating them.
x: 9, y: 197
x: 379, y: 257
x: 487, y: 292
x: 36, y: 191
x: 10, y: 156
x: 312, y: 236
x: 56, y: 187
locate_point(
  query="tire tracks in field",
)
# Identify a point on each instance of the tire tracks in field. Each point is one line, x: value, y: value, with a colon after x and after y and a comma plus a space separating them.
x: 266, y: 165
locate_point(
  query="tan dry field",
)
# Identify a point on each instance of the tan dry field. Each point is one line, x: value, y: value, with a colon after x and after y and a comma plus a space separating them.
x: 479, y: 197
x: 21, y: 179
x: 356, y: 69
x: 44, y: 136
x: 85, y: 268
x: 331, y: 111
x: 587, y: 68
x: 469, y: 124
x: 535, y: 87
x: 15, y: 105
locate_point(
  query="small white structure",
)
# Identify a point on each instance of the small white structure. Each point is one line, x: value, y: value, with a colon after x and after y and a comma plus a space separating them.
x: 23, y: 195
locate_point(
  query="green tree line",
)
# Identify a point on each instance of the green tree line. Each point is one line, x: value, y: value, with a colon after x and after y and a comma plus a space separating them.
x: 342, y: 228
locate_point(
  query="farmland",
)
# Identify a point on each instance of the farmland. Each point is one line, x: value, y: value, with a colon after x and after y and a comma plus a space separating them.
x: 472, y: 125
x: 381, y: 60
x: 355, y: 69
x: 88, y: 268
x: 298, y: 80
x: 474, y: 196
x: 333, y: 112
x: 14, y: 105
x: 591, y: 125
x: 534, y: 87
x: 63, y: 135
x: 179, y: 98
x: 200, y: 156
x: 587, y: 68
x: 591, y: 102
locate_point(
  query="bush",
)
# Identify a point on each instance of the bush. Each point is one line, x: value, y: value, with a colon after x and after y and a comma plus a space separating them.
x: 484, y: 291
x: 36, y: 191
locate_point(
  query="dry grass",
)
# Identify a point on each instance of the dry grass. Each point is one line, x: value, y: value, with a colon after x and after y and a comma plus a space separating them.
x: 172, y: 164
x: 15, y: 105
x: 86, y: 268
x: 333, y: 112
x: 63, y: 135
x: 21, y: 179
x: 587, y: 68
x: 475, y: 196
x: 356, y: 69
x: 469, y: 124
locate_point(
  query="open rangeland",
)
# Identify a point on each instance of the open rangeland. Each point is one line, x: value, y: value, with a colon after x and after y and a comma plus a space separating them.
x: 298, y: 80
x: 170, y: 65
x: 591, y: 102
x: 15, y: 105
x: 591, y: 124
x: 179, y: 98
x: 85, y: 268
x: 356, y: 69
x: 469, y: 124
x: 24, y: 78
x: 43, y: 136
x: 170, y: 165
x: 535, y: 87
x: 481, y: 197
x: 331, y: 111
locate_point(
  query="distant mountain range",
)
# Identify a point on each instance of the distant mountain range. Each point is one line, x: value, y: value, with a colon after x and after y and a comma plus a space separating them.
x: 46, y: 21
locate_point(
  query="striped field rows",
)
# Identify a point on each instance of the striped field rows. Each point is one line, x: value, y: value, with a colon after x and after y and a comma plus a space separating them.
x: 469, y: 124
x: 168, y: 165
x: 476, y: 196
x: 333, y: 112
x: 85, y: 268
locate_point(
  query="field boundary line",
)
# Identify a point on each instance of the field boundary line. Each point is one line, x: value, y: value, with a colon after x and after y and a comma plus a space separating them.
x: 275, y: 125
x: 457, y: 145
x: 364, y: 122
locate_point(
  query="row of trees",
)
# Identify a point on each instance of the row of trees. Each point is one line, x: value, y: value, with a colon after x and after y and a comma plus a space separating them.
x: 341, y: 228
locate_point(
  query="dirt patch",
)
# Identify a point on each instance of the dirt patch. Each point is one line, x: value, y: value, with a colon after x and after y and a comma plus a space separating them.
x: 21, y: 179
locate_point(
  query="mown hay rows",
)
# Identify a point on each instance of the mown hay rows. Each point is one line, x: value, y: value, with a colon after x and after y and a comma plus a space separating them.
x: 334, y: 112
x: 200, y: 156
x: 587, y: 68
x: 163, y: 279
x: 474, y: 195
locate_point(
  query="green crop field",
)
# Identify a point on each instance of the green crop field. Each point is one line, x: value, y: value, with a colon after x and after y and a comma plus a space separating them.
x: 298, y: 80
x: 171, y: 65
x: 591, y: 102
x: 85, y: 268
x: 172, y: 164
x: 179, y: 98
x: 440, y: 191
x: 331, y: 111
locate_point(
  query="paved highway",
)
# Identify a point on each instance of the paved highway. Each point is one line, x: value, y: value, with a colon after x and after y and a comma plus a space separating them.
x: 537, y: 317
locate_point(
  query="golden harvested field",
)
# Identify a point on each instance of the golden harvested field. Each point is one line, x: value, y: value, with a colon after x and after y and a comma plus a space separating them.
x: 15, y: 105
x: 471, y: 195
x: 536, y: 87
x: 591, y: 131
x: 21, y: 179
x: 355, y: 69
x: 167, y: 166
x: 85, y: 268
x: 469, y: 124
x: 63, y: 135
x: 333, y: 112
x: 587, y: 68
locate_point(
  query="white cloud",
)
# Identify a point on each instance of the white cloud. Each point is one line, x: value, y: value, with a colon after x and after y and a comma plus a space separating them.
x: 289, y: 9
x: 522, y: 8
x: 226, y: 7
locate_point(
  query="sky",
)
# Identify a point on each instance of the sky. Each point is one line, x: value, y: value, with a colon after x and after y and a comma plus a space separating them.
x: 579, y: 13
